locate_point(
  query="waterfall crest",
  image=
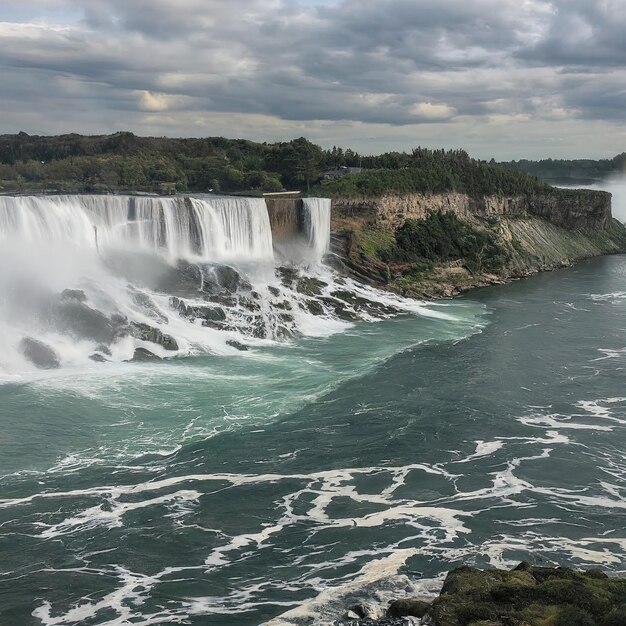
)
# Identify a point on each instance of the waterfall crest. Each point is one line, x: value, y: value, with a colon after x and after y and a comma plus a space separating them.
x: 317, y: 224
x: 206, y: 230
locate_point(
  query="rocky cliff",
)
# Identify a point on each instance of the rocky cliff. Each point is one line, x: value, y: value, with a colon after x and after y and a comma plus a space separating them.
x: 534, y: 233
x: 285, y: 217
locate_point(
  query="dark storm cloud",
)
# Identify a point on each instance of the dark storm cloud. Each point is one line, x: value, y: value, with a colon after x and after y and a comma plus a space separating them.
x: 395, y: 62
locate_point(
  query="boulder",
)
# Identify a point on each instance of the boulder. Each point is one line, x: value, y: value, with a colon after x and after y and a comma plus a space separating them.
x: 73, y: 317
x: 408, y: 607
x: 39, y: 354
x: 226, y: 278
x: 184, y: 279
x: 141, y: 354
x: 146, y: 332
x: 237, y: 345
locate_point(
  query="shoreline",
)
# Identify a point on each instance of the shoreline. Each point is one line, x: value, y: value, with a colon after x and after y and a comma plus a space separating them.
x: 525, y: 595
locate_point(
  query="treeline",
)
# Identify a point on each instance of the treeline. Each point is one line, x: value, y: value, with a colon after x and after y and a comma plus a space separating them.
x: 126, y: 162
x: 576, y: 171
x: 432, y: 171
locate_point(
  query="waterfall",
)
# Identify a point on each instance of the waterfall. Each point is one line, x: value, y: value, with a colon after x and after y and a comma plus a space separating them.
x: 95, y: 279
x: 199, y: 230
x: 317, y: 224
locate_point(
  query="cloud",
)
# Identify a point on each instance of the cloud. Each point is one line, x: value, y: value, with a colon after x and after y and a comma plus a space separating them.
x: 430, y: 111
x: 461, y: 66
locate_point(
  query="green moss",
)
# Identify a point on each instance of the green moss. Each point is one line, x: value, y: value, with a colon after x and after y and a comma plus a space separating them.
x: 374, y: 242
x: 530, y: 596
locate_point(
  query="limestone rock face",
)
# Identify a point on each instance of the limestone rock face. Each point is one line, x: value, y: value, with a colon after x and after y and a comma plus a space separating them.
x: 583, y: 210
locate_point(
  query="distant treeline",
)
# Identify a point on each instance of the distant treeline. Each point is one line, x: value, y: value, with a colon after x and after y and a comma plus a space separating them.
x: 577, y: 171
x: 125, y: 162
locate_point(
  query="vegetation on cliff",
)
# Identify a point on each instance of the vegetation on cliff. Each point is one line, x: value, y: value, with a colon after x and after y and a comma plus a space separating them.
x: 125, y: 162
x: 443, y: 237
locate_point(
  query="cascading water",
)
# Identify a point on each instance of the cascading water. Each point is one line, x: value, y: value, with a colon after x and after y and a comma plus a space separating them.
x: 119, y: 278
x: 219, y: 229
x: 317, y: 224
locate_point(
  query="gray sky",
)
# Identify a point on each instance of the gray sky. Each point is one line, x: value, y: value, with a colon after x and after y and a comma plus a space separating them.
x: 502, y: 78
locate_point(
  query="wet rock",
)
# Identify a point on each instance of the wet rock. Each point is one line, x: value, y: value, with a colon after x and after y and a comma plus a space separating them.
x: 237, y: 345
x: 216, y: 325
x: 179, y: 305
x: 351, y: 615
x: 147, y: 305
x: 359, y: 303
x: 207, y: 313
x: 285, y: 305
x: 184, y: 279
x: 249, y: 304
x: 78, y: 295
x: 282, y: 332
x: 310, y: 286
x: 215, y: 314
x: 39, y: 354
x: 550, y: 595
x: 227, y: 278
x: 274, y: 291
x: 75, y: 318
x: 314, y: 307
x: 141, y: 354
x: 340, y: 310
x: 118, y: 320
x: 153, y: 335
x: 97, y: 358
x: 408, y: 607
x: 223, y: 300
x: 288, y: 275
x: 104, y: 349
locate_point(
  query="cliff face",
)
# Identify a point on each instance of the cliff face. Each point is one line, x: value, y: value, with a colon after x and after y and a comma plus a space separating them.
x: 534, y: 233
x: 587, y: 211
x: 285, y: 217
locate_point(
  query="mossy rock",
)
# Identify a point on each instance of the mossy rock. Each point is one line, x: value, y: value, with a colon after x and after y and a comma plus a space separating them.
x: 530, y: 596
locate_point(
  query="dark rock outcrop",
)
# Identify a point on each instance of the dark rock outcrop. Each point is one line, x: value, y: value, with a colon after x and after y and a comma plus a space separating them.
x: 141, y: 354
x: 39, y: 354
x: 153, y: 335
x: 71, y: 316
x: 78, y: 295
